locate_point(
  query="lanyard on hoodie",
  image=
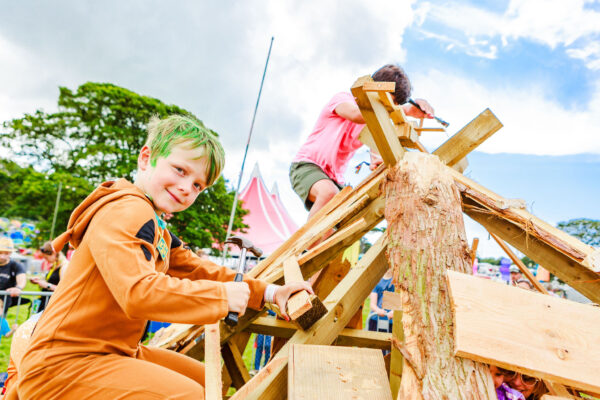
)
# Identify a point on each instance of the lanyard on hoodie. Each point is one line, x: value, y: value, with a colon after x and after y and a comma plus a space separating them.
x: 161, y: 246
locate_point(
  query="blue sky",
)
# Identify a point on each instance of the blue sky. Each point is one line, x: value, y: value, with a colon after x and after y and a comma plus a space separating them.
x: 537, y: 71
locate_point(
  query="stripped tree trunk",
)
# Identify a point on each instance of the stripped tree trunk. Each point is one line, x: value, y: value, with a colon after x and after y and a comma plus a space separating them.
x: 426, y: 237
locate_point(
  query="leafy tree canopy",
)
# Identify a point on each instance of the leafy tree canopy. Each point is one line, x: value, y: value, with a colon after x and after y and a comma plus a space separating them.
x: 586, y: 230
x: 94, y: 136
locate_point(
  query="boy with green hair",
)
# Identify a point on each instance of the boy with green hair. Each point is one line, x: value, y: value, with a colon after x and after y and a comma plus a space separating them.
x: 128, y: 269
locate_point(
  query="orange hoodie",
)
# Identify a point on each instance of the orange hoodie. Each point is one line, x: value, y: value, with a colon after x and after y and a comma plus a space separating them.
x: 117, y: 280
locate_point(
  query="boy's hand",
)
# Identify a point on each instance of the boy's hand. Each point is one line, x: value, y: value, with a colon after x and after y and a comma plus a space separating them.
x: 284, y: 292
x: 238, y: 294
x: 414, y: 112
x: 376, y: 161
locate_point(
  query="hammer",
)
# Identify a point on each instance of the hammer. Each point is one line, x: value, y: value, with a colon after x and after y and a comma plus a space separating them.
x: 245, y: 245
x: 441, y: 121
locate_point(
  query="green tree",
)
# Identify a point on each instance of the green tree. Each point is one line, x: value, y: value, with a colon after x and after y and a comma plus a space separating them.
x: 31, y: 195
x: 586, y: 230
x: 489, y: 260
x: 94, y: 136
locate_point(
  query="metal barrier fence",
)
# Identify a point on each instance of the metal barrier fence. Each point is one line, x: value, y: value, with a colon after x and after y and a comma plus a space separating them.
x: 17, y: 303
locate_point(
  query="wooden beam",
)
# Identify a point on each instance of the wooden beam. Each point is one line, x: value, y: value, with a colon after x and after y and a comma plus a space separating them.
x: 379, y: 86
x: 348, y: 337
x: 264, y: 373
x: 322, y: 372
x: 391, y: 301
x: 341, y: 303
x: 566, y: 257
x: 549, y: 338
x: 232, y: 355
x: 212, y: 363
x: 344, y: 233
x: 474, y: 250
x: 396, y: 357
x: 299, y: 302
x: 468, y: 138
x: 520, y: 264
x: 378, y: 120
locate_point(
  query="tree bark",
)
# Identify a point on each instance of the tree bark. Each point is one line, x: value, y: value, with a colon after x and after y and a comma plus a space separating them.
x: 427, y: 237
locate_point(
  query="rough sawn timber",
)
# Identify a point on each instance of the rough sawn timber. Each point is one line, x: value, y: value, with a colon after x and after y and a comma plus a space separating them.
x: 549, y: 337
x: 563, y: 255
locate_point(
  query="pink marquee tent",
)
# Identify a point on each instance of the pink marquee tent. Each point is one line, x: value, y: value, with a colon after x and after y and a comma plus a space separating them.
x: 269, y: 224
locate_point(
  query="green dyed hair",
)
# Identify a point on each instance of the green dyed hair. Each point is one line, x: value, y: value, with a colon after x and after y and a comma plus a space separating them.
x: 165, y: 133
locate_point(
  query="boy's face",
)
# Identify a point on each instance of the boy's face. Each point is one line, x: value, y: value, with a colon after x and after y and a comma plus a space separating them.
x: 176, y: 181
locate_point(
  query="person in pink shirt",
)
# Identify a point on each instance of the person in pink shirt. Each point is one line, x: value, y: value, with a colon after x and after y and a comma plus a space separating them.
x: 317, y: 171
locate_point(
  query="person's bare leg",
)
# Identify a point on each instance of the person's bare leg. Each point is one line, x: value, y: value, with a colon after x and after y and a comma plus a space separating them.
x: 321, y: 192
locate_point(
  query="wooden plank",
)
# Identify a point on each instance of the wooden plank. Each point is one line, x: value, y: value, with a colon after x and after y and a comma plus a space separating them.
x: 396, y: 361
x: 291, y: 270
x: 461, y: 166
x: 549, y: 338
x: 322, y: 372
x: 341, y: 303
x: 348, y: 337
x: 378, y: 120
x: 212, y: 363
x: 379, y: 86
x: 468, y: 138
x: 520, y: 264
x: 367, y: 139
x: 553, y: 387
x: 344, y: 233
x: 391, y: 301
x: 264, y: 373
x: 299, y: 303
x: 473, y: 252
x: 564, y: 256
x: 550, y: 397
x: 235, y: 364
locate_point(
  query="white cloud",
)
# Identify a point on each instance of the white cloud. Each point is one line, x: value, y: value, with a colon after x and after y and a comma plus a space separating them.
x: 533, y: 124
x: 549, y: 22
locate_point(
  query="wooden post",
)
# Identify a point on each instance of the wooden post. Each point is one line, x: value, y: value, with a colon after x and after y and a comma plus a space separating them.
x: 213, y: 362
x: 426, y: 237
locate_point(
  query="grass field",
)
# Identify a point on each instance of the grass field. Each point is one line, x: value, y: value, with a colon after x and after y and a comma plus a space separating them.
x: 10, y: 318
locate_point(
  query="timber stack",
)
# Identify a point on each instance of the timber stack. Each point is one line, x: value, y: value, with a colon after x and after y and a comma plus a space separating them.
x: 448, y: 326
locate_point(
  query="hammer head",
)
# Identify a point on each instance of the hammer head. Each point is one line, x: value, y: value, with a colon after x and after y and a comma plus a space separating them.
x: 244, y: 243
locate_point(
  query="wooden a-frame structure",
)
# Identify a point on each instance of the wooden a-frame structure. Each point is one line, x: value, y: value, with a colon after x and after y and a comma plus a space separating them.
x: 353, y: 213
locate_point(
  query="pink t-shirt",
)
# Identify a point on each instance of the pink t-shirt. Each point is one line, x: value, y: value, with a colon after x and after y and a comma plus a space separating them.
x: 333, y: 141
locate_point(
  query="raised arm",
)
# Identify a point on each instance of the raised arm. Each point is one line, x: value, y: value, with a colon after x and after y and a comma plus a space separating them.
x: 350, y: 111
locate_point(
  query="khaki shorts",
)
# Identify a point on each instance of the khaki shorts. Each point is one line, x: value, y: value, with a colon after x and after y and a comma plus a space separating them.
x: 303, y: 175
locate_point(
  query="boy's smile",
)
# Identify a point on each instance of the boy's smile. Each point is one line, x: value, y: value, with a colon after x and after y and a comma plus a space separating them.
x: 176, y: 181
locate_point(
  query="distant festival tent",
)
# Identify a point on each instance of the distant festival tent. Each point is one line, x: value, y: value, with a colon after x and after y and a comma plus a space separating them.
x: 269, y: 224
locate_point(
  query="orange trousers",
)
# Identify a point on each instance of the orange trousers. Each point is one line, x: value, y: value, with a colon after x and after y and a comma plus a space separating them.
x: 154, y: 374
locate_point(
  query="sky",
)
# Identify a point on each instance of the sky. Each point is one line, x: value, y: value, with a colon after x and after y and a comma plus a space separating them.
x: 534, y: 63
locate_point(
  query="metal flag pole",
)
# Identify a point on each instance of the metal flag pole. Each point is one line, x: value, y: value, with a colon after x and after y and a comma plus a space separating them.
x: 237, y: 190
